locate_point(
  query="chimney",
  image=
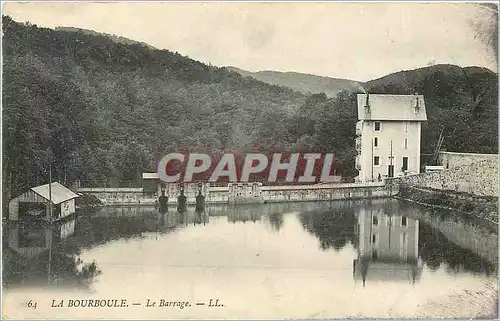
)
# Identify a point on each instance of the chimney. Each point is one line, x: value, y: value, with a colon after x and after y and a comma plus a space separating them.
x: 417, y: 104
x: 367, y: 104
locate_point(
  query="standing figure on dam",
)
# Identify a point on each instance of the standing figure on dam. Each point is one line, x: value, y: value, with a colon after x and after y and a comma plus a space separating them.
x: 200, y: 201
x: 181, y: 201
x: 163, y: 200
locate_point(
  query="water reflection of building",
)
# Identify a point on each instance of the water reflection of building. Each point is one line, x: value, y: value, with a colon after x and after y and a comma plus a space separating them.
x: 243, y: 213
x: 388, y: 244
x: 31, y: 241
x: 40, y: 254
x: 190, y: 216
x: 149, y: 219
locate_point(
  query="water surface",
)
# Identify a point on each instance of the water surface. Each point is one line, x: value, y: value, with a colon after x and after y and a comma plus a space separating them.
x: 298, y: 260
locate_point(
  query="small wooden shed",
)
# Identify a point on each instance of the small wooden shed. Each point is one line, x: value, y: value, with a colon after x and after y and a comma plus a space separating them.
x: 34, y: 204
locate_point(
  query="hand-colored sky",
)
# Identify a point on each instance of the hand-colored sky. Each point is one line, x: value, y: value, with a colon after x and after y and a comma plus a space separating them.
x: 360, y: 41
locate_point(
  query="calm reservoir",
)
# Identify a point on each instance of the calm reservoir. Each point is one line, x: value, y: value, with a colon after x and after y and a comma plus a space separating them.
x: 379, y: 258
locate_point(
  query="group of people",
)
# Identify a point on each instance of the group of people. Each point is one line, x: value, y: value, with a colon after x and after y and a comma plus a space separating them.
x: 162, y: 202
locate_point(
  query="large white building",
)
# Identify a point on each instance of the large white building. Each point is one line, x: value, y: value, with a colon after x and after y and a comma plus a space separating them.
x: 388, y: 135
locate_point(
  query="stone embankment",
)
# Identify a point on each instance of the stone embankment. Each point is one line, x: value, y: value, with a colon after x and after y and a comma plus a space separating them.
x: 484, y: 209
x: 468, y: 186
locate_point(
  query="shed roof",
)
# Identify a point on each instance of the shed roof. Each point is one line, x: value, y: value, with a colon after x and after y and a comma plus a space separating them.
x: 59, y: 192
x: 392, y: 107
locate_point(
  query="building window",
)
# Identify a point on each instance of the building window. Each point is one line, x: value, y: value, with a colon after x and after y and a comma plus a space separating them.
x: 406, y: 143
x: 375, y: 220
x: 403, y: 221
x: 377, y: 126
x: 375, y: 142
x: 374, y: 239
x: 405, y: 164
x: 376, y: 160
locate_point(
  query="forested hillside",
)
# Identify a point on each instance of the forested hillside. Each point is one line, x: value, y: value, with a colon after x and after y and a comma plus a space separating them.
x: 104, y: 112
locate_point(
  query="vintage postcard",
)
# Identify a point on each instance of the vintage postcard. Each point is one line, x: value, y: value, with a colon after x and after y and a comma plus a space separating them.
x: 249, y: 160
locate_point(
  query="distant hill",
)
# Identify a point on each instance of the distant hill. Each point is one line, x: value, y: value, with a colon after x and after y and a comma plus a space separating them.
x: 304, y: 83
x: 410, y: 78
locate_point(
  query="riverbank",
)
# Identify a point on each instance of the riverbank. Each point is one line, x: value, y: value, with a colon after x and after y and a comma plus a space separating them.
x: 467, y: 220
x: 480, y: 210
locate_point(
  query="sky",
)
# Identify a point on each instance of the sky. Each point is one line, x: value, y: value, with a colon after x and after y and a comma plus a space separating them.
x: 359, y: 41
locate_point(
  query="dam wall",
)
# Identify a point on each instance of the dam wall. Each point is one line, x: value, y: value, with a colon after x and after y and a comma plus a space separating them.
x: 245, y: 193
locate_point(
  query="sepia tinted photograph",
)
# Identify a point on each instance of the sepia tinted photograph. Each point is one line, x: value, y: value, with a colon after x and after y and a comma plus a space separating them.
x: 249, y: 160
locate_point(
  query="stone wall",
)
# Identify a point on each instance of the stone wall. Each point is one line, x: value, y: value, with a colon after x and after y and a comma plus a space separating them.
x: 245, y: 193
x: 250, y: 193
x: 120, y: 196
x: 327, y: 192
x: 451, y: 160
x: 480, y: 177
x: 218, y: 195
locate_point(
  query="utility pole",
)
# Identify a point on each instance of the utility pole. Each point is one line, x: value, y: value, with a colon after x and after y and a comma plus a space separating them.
x: 50, y: 192
x: 373, y: 156
x: 50, y: 220
x: 391, y: 166
x: 390, y: 229
x: 391, y: 152
x: 50, y: 253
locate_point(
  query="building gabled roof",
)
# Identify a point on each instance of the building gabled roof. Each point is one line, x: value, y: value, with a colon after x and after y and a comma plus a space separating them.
x: 392, y: 107
x: 59, y: 192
